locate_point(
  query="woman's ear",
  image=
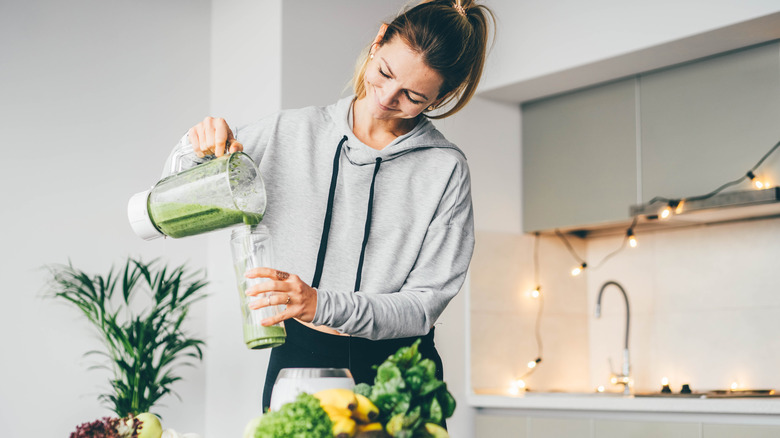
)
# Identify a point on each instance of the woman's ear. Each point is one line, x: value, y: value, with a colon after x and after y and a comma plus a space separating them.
x: 379, y: 36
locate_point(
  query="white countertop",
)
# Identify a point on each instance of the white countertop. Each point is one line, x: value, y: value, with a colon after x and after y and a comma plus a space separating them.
x: 610, y: 402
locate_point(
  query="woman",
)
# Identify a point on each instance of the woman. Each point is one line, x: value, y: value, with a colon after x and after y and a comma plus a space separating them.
x: 369, y: 205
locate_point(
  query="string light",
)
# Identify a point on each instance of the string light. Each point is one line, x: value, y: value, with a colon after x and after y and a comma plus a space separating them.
x: 519, y: 384
x: 578, y: 269
x: 757, y: 183
x: 679, y: 208
x: 631, y: 238
x: 666, y: 211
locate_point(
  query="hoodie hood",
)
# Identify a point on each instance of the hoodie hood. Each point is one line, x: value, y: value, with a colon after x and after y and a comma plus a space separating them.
x: 424, y: 135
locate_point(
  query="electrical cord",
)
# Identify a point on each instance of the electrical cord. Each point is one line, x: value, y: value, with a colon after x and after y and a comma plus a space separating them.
x: 748, y: 175
x: 537, y: 325
x: 672, y: 203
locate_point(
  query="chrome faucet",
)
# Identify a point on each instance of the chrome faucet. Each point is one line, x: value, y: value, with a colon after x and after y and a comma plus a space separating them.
x: 625, y: 377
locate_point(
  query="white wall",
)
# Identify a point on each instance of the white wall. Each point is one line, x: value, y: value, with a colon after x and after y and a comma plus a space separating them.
x: 93, y: 96
x: 245, y: 77
x: 704, y: 307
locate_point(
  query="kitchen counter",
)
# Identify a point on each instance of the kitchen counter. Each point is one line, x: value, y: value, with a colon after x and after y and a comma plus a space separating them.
x: 617, y: 403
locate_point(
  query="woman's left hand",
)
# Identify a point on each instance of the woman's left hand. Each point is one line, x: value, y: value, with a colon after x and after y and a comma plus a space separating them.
x: 285, y: 289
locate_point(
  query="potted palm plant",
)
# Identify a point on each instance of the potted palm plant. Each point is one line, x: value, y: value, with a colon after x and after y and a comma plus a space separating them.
x: 144, y: 342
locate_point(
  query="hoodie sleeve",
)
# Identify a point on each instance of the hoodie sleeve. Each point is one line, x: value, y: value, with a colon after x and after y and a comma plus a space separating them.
x: 435, y: 279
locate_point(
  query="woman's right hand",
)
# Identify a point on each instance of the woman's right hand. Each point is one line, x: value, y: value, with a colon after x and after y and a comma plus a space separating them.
x: 213, y: 136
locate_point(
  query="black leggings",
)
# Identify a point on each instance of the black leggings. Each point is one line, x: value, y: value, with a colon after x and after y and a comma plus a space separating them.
x: 307, y: 348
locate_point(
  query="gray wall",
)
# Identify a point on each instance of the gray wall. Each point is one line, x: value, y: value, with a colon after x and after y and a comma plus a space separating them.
x: 321, y: 43
x: 92, y: 96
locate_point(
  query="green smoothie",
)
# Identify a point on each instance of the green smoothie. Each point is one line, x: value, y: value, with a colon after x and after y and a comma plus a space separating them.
x: 257, y: 336
x: 179, y: 220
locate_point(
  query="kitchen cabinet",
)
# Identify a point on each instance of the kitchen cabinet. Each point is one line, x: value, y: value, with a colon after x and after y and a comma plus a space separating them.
x: 579, y: 157
x: 682, y: 131
x: 507, y: 425
x: 741, y: 431
x: 706, y: 123
x: 644, y: 429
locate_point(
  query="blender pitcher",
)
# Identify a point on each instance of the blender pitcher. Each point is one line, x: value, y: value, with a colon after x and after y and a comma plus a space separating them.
x: 218, y: 193
x: 252, y: 248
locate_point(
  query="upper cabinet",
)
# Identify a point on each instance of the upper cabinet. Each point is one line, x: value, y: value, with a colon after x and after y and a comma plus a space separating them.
x: 706, y: 123
x: 683, y: 131
x: 579, y: 157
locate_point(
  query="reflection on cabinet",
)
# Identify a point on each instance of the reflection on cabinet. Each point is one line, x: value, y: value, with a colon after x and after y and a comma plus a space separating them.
x: 683, y: 131
x: 579, y: 158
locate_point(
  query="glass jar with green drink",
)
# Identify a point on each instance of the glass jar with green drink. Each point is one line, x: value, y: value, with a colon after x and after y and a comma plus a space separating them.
x: 252, y: 247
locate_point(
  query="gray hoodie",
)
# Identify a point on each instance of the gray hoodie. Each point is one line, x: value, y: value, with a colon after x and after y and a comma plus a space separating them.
x: 385, y: 236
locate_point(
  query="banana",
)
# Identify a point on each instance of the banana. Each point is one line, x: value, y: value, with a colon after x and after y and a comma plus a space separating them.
x: 344, y: 427
x: 335, y: 413
x: 369, y: 427
x: 337, y: 397
x: 366, y: 411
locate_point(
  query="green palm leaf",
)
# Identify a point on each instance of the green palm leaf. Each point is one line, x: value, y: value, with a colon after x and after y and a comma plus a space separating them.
x: 141, y: 350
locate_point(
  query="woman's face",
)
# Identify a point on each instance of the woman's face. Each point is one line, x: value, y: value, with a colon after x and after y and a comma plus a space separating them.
x: 398, y: 83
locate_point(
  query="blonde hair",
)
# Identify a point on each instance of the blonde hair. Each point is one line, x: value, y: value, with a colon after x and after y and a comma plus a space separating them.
x: 452, y: 38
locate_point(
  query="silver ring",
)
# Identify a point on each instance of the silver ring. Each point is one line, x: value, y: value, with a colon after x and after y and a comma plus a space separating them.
x: 288, y: 300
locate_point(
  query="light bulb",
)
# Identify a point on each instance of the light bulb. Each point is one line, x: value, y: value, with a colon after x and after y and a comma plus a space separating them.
x: 734, y: 386
x: 757, y: 183
x: 631, y: 238
x: 665, y: 212
x: 531, y: 364
x: 665, y: 381
x: 578, y: 270
x: 679, y: 208
x: 600, y: 388
x: 535, y: 293
x: 517, y: 386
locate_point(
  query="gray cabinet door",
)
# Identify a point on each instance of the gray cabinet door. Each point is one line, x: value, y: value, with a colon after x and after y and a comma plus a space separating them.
x: 706, y: 123
x: 579, y: 158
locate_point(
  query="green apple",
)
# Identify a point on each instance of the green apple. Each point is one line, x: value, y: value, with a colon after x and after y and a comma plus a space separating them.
x: 249, y: 429
x: 150, y: 426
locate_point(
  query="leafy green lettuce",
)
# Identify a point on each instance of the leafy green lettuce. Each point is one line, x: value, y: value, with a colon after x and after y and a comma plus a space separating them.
x: 408, y: 394
x: 302, y: 418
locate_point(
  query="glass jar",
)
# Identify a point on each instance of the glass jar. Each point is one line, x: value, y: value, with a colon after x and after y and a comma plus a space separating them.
x: 251, y: 247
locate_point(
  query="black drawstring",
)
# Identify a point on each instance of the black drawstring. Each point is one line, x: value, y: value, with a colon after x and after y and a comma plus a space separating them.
x: 367, y: 228
x: 326, y: 230
x: 315, y: 282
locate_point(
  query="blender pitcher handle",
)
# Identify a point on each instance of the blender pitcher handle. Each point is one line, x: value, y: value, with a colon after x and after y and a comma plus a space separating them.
x: 184, y: 156
x: 183, y: 152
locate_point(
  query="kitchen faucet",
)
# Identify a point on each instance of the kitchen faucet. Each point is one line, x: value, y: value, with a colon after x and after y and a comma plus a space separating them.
x: 625, y: 377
